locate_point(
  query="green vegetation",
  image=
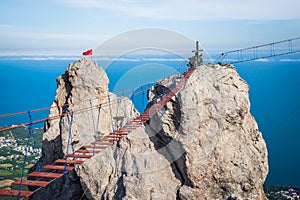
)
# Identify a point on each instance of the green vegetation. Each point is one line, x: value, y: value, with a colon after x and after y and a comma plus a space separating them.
x: 75, y: 142
x: 13, y: 147
x: 21, y: 134
x: 118, y: 118
x: 11, y: 174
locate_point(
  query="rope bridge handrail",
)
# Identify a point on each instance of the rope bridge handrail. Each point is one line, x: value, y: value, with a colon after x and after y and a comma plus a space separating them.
x: 243, y: 55
x: 78, y: 157
x: 130, y: 90
x: 63, y: 105
x: 71, y: 105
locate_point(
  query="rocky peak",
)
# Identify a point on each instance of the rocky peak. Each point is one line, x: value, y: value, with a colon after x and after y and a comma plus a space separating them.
x: 204, y: 144
x: 83, y: 80
x: 82, y: 86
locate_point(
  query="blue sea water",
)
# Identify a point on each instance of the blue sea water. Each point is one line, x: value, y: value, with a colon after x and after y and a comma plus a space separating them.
x: 275, y: 104
x: 274, y: 95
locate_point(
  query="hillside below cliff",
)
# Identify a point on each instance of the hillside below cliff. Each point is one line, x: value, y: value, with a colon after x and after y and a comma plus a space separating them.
x: 203, y: 144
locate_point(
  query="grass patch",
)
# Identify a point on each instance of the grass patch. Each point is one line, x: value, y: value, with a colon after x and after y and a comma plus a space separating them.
x: 118, y: 118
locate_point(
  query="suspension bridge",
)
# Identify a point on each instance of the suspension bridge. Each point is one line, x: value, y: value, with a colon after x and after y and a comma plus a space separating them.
x: 50, y: 172
x: 273, y: 49
x: 45, y: 175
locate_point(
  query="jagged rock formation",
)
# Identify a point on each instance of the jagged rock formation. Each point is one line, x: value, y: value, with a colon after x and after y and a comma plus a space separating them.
x: 224, y: 154
x: 204, y: 144
x: 82, y: 81
x: 133, y: 169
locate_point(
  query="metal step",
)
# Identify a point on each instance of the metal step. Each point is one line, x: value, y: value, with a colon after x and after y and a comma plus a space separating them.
x: 69, y: 161
x: 58, y: 167
x: 31, y: 183
x: 95, y: 147
x: 15, y: 193
x: 115, y: 137
x: 102, y: 143
x: 45, y: 174
x: 86, y: 151
x: 79, y: 156
x: 120, y: 133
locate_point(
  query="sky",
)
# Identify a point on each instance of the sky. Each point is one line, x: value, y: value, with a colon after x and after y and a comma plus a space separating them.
x: 63, y: 26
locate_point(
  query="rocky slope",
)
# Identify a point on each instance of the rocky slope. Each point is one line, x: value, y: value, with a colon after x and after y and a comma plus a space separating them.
x: 204, y: 144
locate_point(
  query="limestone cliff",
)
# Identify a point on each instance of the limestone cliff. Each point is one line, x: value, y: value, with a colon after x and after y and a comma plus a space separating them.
x: 82, y: 86
x: 83, y: 81
x: 204, y: 144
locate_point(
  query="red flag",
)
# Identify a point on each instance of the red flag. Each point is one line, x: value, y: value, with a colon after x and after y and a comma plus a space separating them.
x: 88, y: 52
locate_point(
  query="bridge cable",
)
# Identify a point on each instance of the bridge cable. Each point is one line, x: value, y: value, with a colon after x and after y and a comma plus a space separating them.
x: 34, y: 144
x: 124, y: 110
x: 95, y: 127
x: 117, y: 114
x: 70, y: 122
x: 111, y: 116
x: 25, y: 155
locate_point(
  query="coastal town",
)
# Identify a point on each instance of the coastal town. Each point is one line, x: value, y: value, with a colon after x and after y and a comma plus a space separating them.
x: 13, y: 147
x: 274, y: 192
x: 11, y: 144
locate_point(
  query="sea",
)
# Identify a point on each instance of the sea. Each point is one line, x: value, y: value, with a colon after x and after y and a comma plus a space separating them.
x: 29, y: 82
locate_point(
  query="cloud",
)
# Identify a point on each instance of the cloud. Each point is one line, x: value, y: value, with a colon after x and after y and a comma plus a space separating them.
x: 21, y: 37
x: 40, y: 58
x: 197, y: 9
x: 9, y: 31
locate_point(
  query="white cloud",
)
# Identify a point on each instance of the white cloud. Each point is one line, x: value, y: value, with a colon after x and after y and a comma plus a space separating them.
x: 8, y: 31
x: 198, y: 9
x: 38, y: 58
x: 27, y: 38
